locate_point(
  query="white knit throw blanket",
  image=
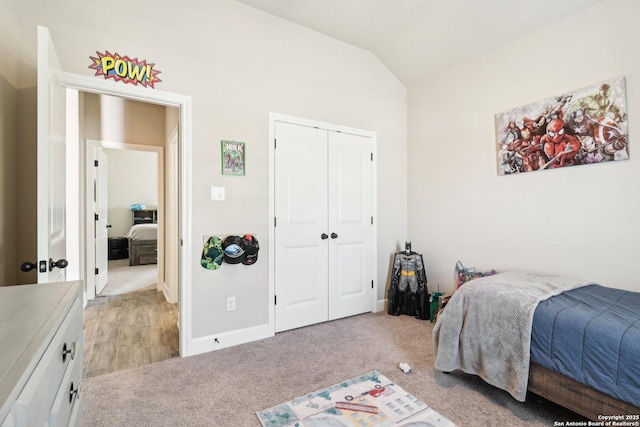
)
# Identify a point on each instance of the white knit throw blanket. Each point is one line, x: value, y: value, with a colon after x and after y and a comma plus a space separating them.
x: 485, y: 328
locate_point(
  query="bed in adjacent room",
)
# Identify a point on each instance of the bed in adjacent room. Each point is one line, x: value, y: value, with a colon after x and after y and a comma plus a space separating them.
x: 568, y: 340
x: 143, y: 244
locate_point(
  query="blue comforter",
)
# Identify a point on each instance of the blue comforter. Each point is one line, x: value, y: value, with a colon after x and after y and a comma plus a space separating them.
x: 592, y: 335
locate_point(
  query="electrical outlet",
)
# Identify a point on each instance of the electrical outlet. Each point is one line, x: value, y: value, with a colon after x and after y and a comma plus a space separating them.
x: 231, y: 303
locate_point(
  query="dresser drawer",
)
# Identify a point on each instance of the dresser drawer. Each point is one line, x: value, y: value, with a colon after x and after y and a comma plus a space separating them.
x: 147, y: 250
x: 68, y: 397
x: 34, y: 402
x: 75, y: 420
x: 148, y: 259
x: 147, y: 254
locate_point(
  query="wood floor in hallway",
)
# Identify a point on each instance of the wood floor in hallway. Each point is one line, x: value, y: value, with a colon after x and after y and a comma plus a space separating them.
x: 124, y: 331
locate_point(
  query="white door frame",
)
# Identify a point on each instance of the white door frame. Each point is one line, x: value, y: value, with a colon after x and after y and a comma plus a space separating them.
x: 183, y: 102
x: 89, y: 219
x: 276, y: 117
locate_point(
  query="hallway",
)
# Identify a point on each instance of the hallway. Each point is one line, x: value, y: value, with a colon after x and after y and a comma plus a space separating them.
x: 124, y: 331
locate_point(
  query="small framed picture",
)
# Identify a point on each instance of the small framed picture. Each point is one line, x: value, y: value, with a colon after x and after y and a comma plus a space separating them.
x: 233, y: 158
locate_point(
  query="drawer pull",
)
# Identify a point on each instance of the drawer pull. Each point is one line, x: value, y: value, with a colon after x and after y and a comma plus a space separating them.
x: 71, y: 351
x: 73, y: 392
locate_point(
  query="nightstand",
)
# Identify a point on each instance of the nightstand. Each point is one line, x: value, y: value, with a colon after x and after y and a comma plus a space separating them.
x: 118, y: 248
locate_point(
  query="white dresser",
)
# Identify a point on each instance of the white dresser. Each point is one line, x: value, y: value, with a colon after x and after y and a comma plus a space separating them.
x: 41, y: 354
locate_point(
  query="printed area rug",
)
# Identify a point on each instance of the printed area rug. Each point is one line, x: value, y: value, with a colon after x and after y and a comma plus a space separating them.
x: 368, y: 400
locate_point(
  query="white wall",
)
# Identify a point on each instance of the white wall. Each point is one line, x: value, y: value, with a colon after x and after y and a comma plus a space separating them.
x: 17, y: 153
x: 581, y: 221
x: 109, y: 118
x: 26, y: 179
x: 238, y: 64
x: 9, y: 51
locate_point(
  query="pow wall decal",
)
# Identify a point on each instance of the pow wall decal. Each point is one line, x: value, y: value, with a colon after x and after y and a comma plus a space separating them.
x: 125, y: 69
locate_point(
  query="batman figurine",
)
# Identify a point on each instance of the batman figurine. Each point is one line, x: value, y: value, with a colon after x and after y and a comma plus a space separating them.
x: 408, y: 291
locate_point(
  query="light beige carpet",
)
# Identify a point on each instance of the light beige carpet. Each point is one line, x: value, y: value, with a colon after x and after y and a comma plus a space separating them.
x: 123, y: 279
x: 227, y: 387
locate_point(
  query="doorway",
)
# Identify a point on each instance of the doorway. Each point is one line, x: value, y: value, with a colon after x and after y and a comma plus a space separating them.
x: 131, y: 317
x: 132, y: 182
x: 125, y: 206
x: 180, y: 140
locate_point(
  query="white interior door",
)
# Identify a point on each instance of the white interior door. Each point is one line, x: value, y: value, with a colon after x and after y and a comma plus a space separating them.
x: 301, y: 235
x: 101, y: 221
x: 323, y: 236
x: 51, y: 119
x: 350, y: 225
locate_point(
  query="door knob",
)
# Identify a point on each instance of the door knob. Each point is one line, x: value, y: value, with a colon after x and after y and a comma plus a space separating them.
x: 61, y: 263
x: 28, y: 266
x: 334, y: 236
x: 40, y: 265
x: 108, y: 225
x: 324, y: 236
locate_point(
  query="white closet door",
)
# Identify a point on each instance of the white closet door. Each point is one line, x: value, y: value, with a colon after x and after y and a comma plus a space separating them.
x: 350, y: 228
x: 351, y: 232
x: 301, y: 272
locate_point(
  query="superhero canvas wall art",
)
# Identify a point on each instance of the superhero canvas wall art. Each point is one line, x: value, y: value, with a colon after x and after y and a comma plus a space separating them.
x: 581, y: 127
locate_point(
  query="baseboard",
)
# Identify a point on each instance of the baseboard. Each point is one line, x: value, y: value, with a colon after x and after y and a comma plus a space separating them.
x: 228, y: 339
x: 242, y: 336
x: 167, y: 294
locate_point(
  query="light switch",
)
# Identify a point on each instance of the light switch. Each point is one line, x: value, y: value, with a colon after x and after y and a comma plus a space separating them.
x: 217, y: 193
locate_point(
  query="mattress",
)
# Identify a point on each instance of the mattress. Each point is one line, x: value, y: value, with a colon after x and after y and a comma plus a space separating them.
x: 592, y: 335
x: 143, y: 232
x: 485, y: 328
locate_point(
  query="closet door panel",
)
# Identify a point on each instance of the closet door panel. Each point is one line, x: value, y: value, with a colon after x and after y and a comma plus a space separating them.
x: 350, y: 210
x: 349, y: 276
x: 301, y: 268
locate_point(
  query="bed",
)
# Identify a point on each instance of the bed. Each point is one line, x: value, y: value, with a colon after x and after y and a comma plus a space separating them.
x: 143, y: 244
x: 568, y: 340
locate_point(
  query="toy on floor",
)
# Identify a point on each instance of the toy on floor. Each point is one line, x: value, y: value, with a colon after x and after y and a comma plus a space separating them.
x: 408, y: 292
x: 405, y: 368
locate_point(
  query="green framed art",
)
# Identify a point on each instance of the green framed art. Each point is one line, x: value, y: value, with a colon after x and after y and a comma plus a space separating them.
x: 233, y: 158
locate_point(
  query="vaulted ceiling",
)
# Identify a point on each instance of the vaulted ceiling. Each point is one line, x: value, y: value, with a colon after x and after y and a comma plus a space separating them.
x: 416, y: 38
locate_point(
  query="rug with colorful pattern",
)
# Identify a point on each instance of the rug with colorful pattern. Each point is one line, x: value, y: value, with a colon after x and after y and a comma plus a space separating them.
x: 368, y: 400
